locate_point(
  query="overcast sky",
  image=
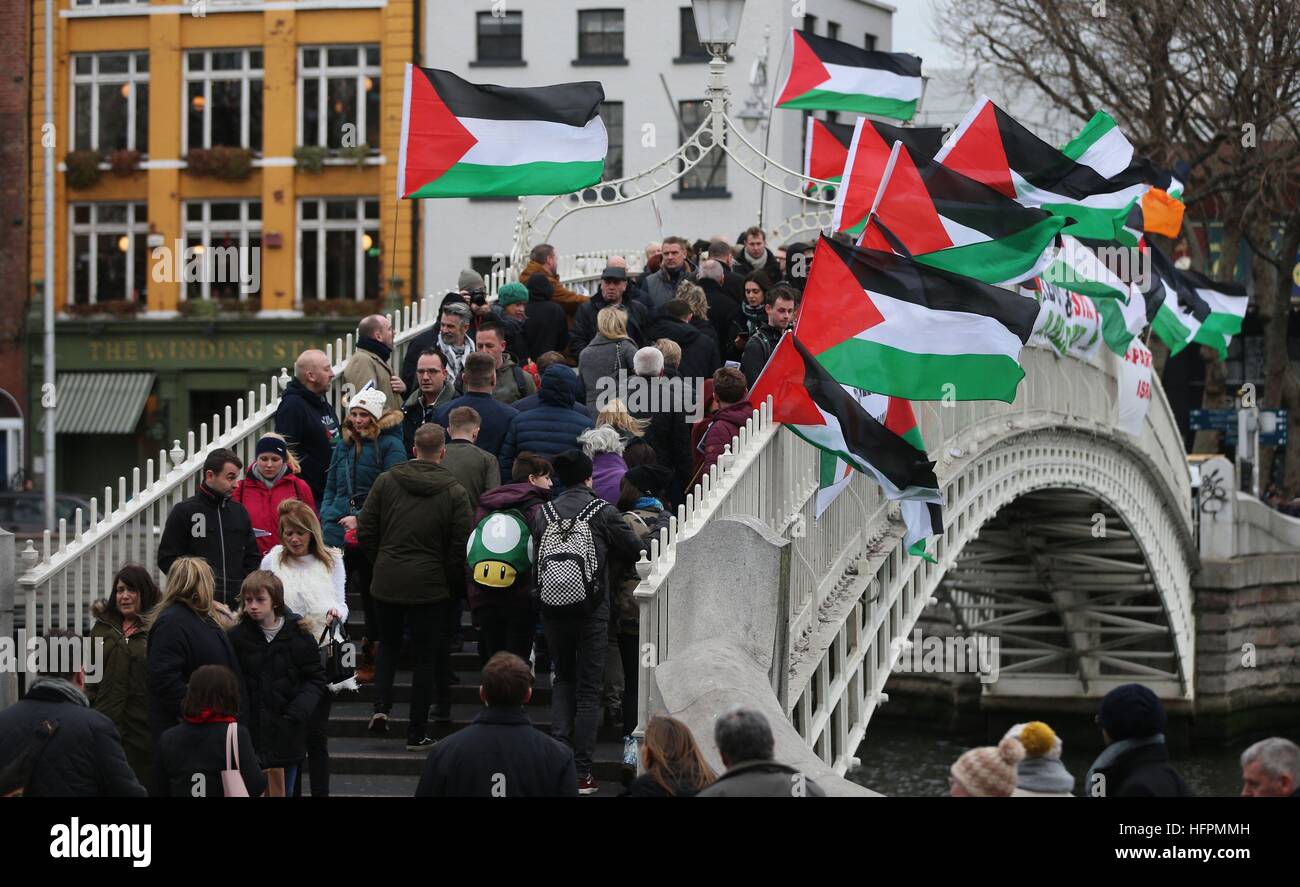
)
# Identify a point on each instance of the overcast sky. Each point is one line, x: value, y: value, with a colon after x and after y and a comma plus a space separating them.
x: 913, y: 32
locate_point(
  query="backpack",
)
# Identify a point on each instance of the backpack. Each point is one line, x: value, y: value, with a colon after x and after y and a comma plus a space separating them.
x: 566, y: 558
x: 500, y: 549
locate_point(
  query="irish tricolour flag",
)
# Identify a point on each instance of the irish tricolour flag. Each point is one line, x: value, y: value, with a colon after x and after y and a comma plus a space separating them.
x: 887, y: 324
x: 828, y: 75
x: 462, y: 139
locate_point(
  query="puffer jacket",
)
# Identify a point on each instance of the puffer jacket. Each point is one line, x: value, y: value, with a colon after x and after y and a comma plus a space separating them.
x: 563, y: 296
x: 413, y: 529
x: 82, y: 759
x: 526, y: 499
x: 602, y: 359
x: 285, y: 680
x: 549, y: 429
x: 122, y: 691
x: 725, y: 424
x: 180, y: 641
x: 263, y: 503
x: 352, y: 474
x: 607, y: 470
x: 661, y: 286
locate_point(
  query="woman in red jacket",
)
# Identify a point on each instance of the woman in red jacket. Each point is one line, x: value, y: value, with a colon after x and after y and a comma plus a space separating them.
x: 270, y: 480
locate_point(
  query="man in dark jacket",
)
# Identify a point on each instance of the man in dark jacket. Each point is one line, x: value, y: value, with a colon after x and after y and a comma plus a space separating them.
x: 674, y: 268
x: 306, y: 419
x: 722, y: 307
x: 613, y: 293
x: 669, y: 431
x: 413, y: 528
x: 699, y: 352
x: 545, y: 362
x: 744, y: 739
x: 501, y: 754
x: 731, y: 410
x: 756, y: 256
x: 83, y: 758
x: 212, y: 526
x: 550, y: 429
x: 578, y: 634
x: 513, y: 382
x: 733, y: 284
x: 431, y: 392
x: 779, y: 307
x: 476, y: 469
x: 1135, y: 762
x: 547, y: 326
x: 494, y: 416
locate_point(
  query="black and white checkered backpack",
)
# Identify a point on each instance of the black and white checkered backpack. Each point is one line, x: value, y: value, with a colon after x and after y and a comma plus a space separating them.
x: 566, y: 558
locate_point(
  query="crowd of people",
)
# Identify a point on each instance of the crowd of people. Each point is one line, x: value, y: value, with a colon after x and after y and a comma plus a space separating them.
x: 492, y: 480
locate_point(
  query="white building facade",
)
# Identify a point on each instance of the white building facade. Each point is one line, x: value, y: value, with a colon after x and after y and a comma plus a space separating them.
x: 654, y: 74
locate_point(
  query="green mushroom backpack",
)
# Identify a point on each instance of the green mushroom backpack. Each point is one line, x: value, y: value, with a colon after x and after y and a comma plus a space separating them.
x: 500, y: 550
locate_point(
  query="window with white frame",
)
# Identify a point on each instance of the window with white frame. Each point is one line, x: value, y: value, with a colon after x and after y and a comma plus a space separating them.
x: 223, y: 98
x: 338, y: 248
x: 223, y: 249
x: 338, y: 94
x: 110, y: 101
x: 109, y: 259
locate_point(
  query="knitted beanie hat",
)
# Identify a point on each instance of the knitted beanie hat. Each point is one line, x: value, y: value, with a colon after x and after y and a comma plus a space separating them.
x: 1131, y: 711
x: 470, y: 280
x: 1039, y: 740
x: 511, y: 293
x: 371, y: 399
x: 990, y: 772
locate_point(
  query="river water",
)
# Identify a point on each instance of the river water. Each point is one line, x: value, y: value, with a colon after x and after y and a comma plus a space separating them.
x: 912, y: 759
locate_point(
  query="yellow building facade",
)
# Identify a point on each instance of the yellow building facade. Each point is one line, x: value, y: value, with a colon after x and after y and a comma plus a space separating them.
x: 171, y: 78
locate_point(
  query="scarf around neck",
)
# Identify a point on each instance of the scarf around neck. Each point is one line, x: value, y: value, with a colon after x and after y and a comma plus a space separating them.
x: 270, y: 484
x: 1113, y: 752
x: 62, y: 687
x: 376, y: 347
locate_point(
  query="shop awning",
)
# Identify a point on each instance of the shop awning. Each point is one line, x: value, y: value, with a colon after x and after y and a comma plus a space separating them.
x: 101, y: 403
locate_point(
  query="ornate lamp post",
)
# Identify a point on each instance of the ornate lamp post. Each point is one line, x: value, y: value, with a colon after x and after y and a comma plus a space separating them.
x: 717, y: 23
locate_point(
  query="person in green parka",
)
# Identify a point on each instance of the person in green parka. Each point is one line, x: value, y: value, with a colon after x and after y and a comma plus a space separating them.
x: 122, y: 692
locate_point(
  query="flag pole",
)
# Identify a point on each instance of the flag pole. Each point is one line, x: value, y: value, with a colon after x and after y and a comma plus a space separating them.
x: 767, y: 136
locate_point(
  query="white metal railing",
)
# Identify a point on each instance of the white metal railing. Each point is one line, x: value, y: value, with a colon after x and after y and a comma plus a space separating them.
x: 74, y: 564
x: 772, y: 475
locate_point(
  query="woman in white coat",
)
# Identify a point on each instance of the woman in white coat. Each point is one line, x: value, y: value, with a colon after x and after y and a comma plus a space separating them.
x: 314, y: 578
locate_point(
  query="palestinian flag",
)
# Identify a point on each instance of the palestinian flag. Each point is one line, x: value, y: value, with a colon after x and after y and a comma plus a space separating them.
x: 828, y: 75
x: 825, y: 149
x: 1181, y: 310
x: 990, y: 146
x: 1109, y: 274
x: 940, y: 217
x: 888, y: 324
x: 864, y: 166
x: 462, y: 139
x: 1227, y: 306
x: 875, y: 434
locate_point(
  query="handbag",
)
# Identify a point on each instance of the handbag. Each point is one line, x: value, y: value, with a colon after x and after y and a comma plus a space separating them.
x: 335, y: 647
x: 232, y: 780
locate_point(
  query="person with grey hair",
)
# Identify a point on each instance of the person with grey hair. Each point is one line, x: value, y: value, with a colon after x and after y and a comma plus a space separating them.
x: 1271, y: 769
x: 307, y: 421
x: 745, y: 742
x: 669, y: 429
x: 722, y: 306
x: 454, y: 340
x: 604, y: 447
x: 733, y: 284
x: 369, y: 364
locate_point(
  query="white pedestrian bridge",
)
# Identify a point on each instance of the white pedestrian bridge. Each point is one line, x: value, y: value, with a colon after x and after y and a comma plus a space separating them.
x: 1067, y: 540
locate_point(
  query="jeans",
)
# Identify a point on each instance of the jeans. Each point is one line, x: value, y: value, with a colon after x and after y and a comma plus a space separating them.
x: 504, y: 628
x: 578, y: 657
x: 431, y: 660
x: 318, y: 755
x: 359, y: 573
x: 291, y: 778
x: 628, y: 645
